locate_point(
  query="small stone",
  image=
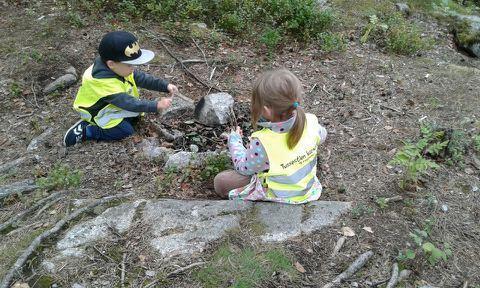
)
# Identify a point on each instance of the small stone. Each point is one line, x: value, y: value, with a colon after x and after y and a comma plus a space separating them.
x: 445, y: 208
x: 61, y: 82
x: 354, y: 284
x: 469, y: 171
x: 474, y: 188
x: 39, y: 140
x: 150, y: 273
x: 214, y: 109
x: 54, y: 285
x: 49, y: 266
x: 194, y: 148
x: 76, y: 285
x: 403, y: 8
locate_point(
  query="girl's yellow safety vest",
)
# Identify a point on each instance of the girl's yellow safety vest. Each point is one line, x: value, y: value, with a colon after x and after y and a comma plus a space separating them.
x: 94, y: 89
x: 292, y: 172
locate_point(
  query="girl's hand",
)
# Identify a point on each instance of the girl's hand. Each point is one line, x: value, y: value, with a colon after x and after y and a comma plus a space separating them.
x: 163, y: 104
x: 238, y: 130
x: 172, y: 89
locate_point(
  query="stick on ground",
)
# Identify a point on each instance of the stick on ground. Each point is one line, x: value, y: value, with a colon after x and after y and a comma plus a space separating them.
x: 338, y: 246
x: 352, y: 269
x: 22, y: 214
x: 17, y: 267
x: 178, y: 271
x: 394, y: 278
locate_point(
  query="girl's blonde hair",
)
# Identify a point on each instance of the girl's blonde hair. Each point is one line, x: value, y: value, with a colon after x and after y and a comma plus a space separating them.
x: 279, y: 90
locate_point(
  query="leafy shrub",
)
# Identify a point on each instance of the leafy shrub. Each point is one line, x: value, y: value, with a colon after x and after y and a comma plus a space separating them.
x: 331, y: 42
x: 215, y: 165
x: 271, y: 38
x: 300, y: 19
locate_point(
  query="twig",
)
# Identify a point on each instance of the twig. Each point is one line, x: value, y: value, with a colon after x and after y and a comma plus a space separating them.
x: 179, y: 61
x: 394, y: 199
x: 338, y: 246
x: 391, y: 108
x: 394, y: 278
x: 178, y: 271
x: 352, y: 269
x: 122, y: 277
x: 314, y: 86
x: 16, y: 268
x: 48, y: 205
x: 24, y: 115
x: 183, y: 269
x: 17, y: 187
x: 203, y: 53
x: 12, y: 164
x: 465, y: 285
x: 234, y: 118
x: 213, y: 72
x: 35, y: 95
x: 22, y: 214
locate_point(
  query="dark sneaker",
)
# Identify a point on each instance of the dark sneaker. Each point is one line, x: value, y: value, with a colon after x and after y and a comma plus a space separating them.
x: 75, y: 134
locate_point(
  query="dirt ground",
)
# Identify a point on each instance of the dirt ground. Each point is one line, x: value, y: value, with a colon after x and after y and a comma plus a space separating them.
x: 368, y: 100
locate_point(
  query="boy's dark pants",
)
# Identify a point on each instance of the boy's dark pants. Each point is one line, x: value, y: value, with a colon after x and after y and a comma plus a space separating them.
x: 121, y: 131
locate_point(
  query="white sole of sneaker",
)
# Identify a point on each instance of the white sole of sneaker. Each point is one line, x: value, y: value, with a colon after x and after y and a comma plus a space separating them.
x: 68, y: 131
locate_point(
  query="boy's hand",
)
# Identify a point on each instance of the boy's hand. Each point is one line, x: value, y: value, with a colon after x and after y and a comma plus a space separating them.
x: 163, y: 104
x: 172, y: 89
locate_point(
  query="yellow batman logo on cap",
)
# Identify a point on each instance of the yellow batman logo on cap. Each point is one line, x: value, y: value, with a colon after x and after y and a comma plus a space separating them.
x: 132, y: 49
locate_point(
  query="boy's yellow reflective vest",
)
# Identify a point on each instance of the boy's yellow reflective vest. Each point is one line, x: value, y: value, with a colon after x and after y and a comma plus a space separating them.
x: 93, y: 90
x: 292, y: 173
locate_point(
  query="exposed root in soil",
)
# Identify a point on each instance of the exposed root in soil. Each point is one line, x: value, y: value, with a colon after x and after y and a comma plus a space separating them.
x: 351, y: 270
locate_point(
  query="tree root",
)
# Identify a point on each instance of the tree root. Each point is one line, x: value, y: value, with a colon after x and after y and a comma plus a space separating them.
x: 22, y: 214
x: 17, y: 187
x: 394, y: 278
x: 352, y: 269
x: 16, y: 268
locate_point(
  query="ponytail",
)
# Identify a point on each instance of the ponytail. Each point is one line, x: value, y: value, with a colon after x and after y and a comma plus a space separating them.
x: 296, y: 131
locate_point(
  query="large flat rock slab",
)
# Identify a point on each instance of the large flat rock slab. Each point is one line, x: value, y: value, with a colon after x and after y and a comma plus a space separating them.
x: 283, y: 222
x: 186, y: 227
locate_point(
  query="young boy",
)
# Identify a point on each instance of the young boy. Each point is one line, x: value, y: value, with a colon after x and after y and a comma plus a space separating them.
x: 108, y: 99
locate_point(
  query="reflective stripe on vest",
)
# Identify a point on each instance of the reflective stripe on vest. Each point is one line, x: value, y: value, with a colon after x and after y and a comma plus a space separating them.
x: 94, y: 89
x: 292, y: 172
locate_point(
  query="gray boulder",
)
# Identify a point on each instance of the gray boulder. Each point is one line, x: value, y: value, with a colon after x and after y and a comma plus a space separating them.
x: 467, y: 33
x: 185, y: 159
x: 181, y: 107
x: 214, y: 109
x: 403, y: 8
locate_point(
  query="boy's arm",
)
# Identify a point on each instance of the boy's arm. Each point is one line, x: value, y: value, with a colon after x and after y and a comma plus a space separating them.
x: 247, y: 161
x: 147, y: 81
x: 130, y: 103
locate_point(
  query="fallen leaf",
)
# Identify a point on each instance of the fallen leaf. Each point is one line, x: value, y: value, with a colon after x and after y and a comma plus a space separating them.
x: 299, y: 267
x: 347, y: 231
x: 368, y: 229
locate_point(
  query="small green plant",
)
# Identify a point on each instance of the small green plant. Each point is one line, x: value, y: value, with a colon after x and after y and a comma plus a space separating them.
x: 412, y: 156
x: 476, y: 142
x: 425, y: 247
x: 382, y: 202
x: 373, y: 25
x: 75, y: 19
x: 457, y: 146
x: 244, y: 268
x: 331, y: 42
x: 61, y: 176
x: 164, y: 181
x: 271, y: 38
x: 215, y: 165
x: 361, y: 210
x: 15, y: 89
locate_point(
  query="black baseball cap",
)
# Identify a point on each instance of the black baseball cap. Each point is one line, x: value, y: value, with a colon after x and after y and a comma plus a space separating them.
x: 121, y: 46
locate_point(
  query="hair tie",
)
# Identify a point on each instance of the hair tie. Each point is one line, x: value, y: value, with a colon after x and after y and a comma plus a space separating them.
x: 295, y: 104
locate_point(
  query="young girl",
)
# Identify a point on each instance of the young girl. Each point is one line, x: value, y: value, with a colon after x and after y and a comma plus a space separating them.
x: 280, y: 164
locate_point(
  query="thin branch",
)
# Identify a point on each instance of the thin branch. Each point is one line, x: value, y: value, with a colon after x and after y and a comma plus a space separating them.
x: 394, y: 278
x: 179, y: 61
x: 338, y: 246
x: 203, y: 53
x: 48, y: 205
x: 178, y: 271
x: 22, y: 214
x: 122, y: 277
x: 351, y: 270
x: 17, y: 267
